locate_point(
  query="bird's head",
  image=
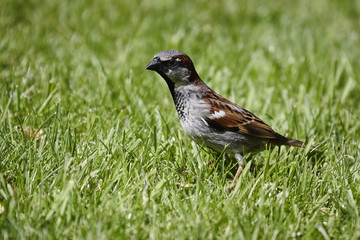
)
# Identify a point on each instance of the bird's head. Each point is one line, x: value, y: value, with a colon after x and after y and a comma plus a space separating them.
x: 175, y: 67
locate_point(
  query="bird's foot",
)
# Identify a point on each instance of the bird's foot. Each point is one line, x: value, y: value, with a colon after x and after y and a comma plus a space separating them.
x: 231, y: 187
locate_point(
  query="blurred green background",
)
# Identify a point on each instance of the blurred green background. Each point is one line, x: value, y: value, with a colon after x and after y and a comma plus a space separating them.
x: 108, y: 163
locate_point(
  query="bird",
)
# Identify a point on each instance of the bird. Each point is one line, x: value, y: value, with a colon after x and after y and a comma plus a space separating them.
x: 210, y: 119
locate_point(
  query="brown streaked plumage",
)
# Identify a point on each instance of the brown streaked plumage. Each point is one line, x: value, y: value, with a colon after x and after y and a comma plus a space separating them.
x: 210, y: 118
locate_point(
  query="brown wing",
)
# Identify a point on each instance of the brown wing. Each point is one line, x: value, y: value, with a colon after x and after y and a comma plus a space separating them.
x: 237, y: 119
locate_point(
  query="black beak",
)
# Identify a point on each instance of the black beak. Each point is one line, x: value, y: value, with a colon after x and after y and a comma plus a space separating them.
x: 154, y: 65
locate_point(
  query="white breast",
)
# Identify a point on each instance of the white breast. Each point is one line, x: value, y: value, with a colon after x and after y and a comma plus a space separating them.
x: 191, y: 109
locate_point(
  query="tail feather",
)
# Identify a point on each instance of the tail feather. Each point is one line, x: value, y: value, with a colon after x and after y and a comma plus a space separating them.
x: 282, y: 140
x: 295, y: 143
x: 315, y: 150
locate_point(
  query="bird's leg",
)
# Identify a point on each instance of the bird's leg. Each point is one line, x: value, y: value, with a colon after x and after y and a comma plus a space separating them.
x: 239, y: 158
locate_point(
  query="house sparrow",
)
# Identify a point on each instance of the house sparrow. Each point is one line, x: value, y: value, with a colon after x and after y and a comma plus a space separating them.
x: 209, y: 118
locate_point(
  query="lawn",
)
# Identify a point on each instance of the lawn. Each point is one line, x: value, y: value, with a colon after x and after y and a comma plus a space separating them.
x: 91, y: 146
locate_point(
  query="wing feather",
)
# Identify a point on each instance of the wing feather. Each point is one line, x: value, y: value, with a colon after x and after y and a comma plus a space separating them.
x: 237, y: 119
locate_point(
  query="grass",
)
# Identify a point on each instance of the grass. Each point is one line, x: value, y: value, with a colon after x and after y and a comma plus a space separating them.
x: 108, y: 159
